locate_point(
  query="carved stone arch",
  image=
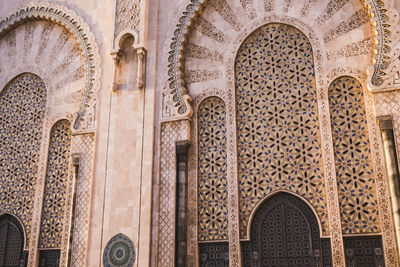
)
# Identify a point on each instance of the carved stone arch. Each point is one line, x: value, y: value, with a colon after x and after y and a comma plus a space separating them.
x: 193, y: 11
x: 123, y: 35
x: 68, y: 19
x: 21, y: 71
x: 257, y: 207
x: 179, y: 85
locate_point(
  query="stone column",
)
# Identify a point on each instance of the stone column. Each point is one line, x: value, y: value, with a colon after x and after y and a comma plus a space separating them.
x: 182, y: 149
x: 392, y: 168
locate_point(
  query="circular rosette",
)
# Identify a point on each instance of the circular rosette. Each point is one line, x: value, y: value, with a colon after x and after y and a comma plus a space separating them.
x: 119, y: 252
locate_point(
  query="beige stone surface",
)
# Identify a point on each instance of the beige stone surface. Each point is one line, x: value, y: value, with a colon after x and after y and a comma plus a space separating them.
x: 130, y: 177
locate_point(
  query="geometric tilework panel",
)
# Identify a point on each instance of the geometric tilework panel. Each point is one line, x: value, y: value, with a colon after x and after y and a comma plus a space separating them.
x: 84, y: 144
x: 22, y: 108
x: 213, y: 195
x: 277, y: 120
x: 356, y: 185
x: 57, y: 179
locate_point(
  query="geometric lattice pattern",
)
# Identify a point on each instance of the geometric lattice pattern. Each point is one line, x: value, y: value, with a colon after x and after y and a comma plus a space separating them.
x: 277, y: 120
x: 170, y: 133
x: 11, y: 241
x: 49, y: 258
x: 285, y: 232
x: 214, y: 254
x: 22, y: 107
x: 127, y: 15
x: 212, y: 180
x: 364, y: 251
x: 84, y: 144
x: 356, y: 185
x: 57, y: 179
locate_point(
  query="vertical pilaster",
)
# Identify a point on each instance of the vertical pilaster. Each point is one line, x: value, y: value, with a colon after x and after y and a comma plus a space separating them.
x: 182, y: 149
x: 335, y: 226
x: 392, y: 168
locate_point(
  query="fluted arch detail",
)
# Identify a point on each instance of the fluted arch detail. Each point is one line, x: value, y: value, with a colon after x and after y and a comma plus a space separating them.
x: 76, y: 25
x: 176, y: 73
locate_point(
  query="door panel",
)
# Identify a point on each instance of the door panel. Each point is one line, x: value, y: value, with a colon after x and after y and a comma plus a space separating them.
x: 11, y: 242
x: 285, y: 232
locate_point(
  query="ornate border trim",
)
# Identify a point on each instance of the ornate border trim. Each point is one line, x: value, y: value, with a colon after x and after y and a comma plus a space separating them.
x: 176, y: 58
x: 193, y: 11
x: 382, y: 31
x: 80, y: 29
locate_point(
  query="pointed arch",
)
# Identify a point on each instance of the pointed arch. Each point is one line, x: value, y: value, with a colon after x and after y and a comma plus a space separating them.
x: 56, y: 184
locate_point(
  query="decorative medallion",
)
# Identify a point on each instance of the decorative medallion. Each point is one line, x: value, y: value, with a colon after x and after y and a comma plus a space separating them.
x: 119, y: 251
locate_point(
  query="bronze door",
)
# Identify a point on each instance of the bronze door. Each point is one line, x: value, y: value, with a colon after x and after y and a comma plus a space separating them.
x: 11, y: 242
x: 285, y: 232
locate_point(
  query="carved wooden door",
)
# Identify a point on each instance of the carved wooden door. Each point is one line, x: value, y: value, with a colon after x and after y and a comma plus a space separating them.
x: 284, y: 232
x: 11, y: 242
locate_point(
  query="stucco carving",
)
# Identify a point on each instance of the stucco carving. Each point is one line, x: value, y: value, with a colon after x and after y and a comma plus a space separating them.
x: 383, y: 34
x: 219, y: 41
x: 392, y: 78
x: 177, y: 86
x: 127, y: 16
x: 72, y: 22
x: 56, y: 44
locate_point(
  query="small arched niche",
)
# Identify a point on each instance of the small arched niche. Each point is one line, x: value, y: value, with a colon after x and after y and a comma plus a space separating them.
x: 129, y: 62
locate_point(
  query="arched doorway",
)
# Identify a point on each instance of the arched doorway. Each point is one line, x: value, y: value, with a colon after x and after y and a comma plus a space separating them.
x: 285, y: 232
x: 11, y: 242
